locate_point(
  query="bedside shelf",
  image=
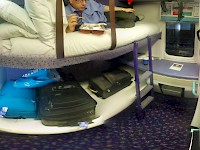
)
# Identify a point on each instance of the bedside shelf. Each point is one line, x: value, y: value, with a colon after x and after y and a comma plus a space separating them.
x: 161, y: 67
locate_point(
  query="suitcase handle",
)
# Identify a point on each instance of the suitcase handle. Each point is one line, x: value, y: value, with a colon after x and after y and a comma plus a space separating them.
x: 93, y: 91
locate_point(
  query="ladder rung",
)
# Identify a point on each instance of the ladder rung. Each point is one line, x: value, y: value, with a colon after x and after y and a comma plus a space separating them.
x: 146, y: 90
x: 145, y: 76
x: 146, y: 101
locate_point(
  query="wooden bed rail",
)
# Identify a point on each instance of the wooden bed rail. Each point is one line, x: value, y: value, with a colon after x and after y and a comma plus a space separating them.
x: 59, y: 28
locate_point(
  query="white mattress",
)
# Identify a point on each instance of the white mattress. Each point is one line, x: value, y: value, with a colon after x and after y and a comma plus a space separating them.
x: 76, y: 43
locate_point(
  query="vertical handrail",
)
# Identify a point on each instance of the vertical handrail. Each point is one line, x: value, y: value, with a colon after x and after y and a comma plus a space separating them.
x: 150, y: 62
x: 150, y: 58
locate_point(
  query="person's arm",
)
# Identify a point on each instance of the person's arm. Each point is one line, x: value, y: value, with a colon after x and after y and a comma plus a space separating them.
x: 72, y: 22
x: 106, y: 9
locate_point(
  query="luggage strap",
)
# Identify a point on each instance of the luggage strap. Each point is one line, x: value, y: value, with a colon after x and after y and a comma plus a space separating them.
x: 112, y: 23
x: 59, y: 28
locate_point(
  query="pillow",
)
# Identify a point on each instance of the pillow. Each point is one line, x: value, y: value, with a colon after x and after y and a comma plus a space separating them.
x: 14, y: 14
x: 43, y: 15
x: 24, y: 46
x: 52, y: 8
x: 8, y: 31
x: 40, y: 14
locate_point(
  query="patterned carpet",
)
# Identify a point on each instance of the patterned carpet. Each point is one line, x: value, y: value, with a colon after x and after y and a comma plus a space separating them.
x: 165, y: 127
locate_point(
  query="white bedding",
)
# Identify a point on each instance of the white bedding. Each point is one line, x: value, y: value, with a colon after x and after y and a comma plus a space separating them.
x: 77, y: 43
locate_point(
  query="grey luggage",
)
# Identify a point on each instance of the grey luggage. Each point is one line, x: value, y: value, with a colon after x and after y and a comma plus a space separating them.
x: 65, y: 104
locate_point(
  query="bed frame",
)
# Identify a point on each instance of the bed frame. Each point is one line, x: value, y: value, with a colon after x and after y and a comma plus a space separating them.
x: 30, y: 62
x: 33, y: 62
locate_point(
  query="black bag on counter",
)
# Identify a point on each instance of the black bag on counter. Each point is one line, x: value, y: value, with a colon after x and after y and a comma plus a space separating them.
x: 110, y: 83
x: 65, y: 104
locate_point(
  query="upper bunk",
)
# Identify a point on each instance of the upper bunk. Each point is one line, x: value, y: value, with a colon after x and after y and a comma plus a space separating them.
x: 33, y: 37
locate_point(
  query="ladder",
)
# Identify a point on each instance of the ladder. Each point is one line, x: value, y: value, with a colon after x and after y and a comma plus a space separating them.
x: 146, y: 95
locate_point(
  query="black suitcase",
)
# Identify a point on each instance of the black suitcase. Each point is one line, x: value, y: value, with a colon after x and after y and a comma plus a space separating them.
x: 65, y: 104
x: 110, y: 83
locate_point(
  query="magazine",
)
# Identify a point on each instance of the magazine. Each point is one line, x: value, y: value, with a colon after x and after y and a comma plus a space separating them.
x: 176, y: 66
x: 98, y: 28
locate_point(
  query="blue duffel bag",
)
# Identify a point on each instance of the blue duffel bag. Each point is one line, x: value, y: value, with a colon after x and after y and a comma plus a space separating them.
x: 17, y: 102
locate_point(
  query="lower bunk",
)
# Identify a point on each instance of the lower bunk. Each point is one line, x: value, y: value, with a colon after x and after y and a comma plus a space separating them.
x: 105, y: 109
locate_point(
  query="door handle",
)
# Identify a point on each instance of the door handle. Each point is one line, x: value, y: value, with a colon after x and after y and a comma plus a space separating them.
x: 198, y: 32
x: 194, y: 88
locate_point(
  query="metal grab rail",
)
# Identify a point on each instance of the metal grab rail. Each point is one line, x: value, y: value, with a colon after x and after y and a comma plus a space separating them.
x: 194, y: 90
x: 198, y: 34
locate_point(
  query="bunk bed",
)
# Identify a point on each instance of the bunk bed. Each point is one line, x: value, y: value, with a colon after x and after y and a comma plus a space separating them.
x: 68, y: 49
x: 42, y: 53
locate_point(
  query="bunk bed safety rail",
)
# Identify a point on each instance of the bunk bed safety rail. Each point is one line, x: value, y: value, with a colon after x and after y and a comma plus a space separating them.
x: 59, y: 28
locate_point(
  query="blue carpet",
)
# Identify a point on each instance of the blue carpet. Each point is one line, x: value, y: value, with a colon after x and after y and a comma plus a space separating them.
x: 165, y: 127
